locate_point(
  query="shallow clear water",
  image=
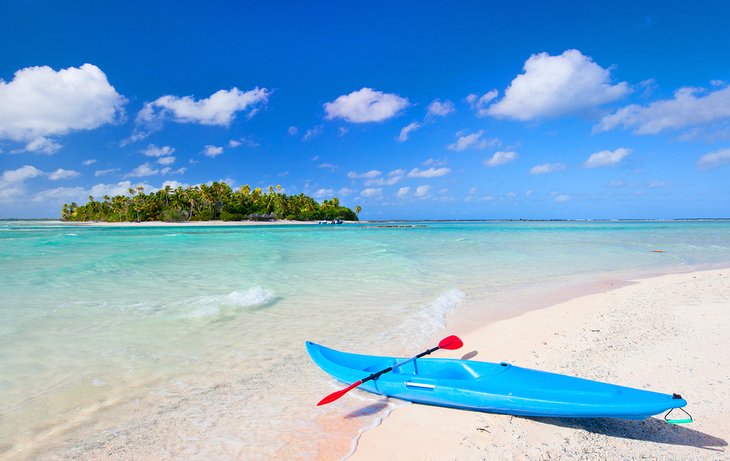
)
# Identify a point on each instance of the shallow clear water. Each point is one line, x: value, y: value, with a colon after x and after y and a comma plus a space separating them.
x: 189, y: 341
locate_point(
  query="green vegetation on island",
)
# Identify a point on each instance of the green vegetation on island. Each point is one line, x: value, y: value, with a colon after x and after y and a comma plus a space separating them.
x: 216, y: 201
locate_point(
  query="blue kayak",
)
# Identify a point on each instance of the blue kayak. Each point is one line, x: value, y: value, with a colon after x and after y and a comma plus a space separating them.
x: 493, y: 387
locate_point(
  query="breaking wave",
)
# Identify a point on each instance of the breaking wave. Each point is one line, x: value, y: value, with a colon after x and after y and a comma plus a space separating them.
x: 215, y: 305
x: 252, y: 297
x: 431, y: 317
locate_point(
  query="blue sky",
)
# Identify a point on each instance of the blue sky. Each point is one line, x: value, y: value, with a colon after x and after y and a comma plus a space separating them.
x: 414, y: 110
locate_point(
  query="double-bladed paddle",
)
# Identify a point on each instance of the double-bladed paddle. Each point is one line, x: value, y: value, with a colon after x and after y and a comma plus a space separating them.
x: 450, y: 343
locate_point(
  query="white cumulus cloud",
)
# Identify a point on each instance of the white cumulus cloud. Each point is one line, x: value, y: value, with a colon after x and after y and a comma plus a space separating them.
x: 714, y: 159
x: 406, y: 131
x: 313, y: 132
x: 471, y: 141
x: 428, y: 173
x: 607, y: 157
x: 12, y: 182
x: 547, y: 168
x: 480, y: 103
x: 62, y: 194
x: 220, y: 108
x: 365, y: 105
x: 41, y: 145
x: 166, y: 160
x: 422, y: 191
x: 327, y: 166
x: 689, y: 107
x: 62, y: 174
x: 98, y: 173
x: 80, y: 194
x: 371, y: 192
x: 552, y: 86
x: 437, y: 108
x: 154, y: 151
x: 367, y: 175
x: 41, y: 103
x: 212, y: 151
x: 391, y: 180
x: 500, y: 158
x: 146, y: 170
x: 435, y: 161
x: 143, y: 170
x: 319, y: 193
x: 21, y: 174
x: 403, y: 191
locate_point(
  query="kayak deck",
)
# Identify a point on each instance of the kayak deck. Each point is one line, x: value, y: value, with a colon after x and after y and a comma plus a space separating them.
x: 493, y: 387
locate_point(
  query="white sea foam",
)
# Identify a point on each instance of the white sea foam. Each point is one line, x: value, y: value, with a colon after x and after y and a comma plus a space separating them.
x: 431, y: 317
x: 215, y: 305
x: 252, y: 297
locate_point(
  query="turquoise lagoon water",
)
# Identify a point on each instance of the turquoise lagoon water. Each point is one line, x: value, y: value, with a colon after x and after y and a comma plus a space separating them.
x: 187, y: 342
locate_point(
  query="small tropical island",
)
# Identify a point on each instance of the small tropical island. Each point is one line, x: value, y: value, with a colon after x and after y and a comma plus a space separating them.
x: 214, y: 202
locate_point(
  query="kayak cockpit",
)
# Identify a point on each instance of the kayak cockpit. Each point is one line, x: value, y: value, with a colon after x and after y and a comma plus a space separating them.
x: 442, y: 369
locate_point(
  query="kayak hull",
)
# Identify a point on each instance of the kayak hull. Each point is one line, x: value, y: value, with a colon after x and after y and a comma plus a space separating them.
x: 493, y: 387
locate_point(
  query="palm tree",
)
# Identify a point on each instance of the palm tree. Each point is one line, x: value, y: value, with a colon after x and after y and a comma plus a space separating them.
x: 255, y: 195
x: 167, y: 189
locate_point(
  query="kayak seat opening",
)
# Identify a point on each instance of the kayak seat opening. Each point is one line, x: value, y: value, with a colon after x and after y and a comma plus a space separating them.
x: 410, y: 368
x: 448, y: 370
x: 463, y: 371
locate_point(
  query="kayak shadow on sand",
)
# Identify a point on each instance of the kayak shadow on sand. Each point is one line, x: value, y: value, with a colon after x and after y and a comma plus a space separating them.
x: 650, y: 430
x: 369, y: 410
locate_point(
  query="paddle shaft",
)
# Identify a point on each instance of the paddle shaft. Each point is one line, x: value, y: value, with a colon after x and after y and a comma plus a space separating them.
x: 400, y: 364
x: 450, y: 342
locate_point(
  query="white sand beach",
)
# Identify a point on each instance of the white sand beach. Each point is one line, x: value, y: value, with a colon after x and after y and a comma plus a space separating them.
x: 279, y: 222
x: 666, y: 334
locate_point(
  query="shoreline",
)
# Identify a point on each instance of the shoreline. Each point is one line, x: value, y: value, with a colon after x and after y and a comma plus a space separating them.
x: 279, y: 222
x: 683, y: 319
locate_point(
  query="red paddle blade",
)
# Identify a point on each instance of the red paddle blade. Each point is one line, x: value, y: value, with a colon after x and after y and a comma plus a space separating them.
x: 336, y: 395
x: 451, y: 343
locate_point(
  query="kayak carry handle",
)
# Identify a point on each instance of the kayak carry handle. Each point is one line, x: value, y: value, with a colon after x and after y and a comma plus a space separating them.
x: 687, y: 420
x: 680, y: 421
